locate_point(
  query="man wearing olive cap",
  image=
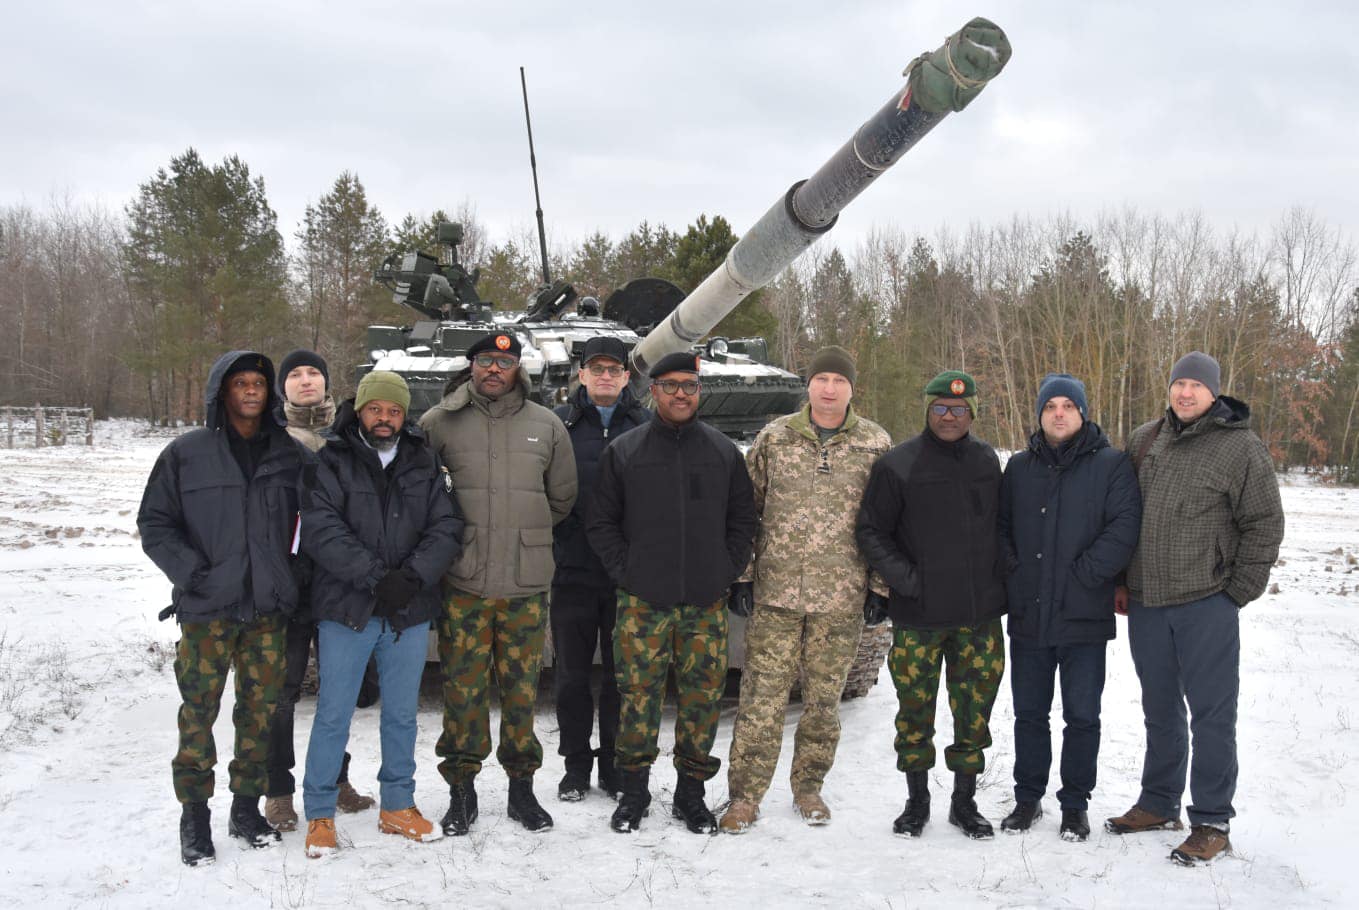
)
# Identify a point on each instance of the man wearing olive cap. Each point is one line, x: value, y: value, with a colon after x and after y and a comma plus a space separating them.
x: 928, y: 526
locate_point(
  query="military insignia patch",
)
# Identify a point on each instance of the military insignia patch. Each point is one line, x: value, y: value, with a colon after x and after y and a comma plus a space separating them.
x: 957, y: 387
x: 503, y: 342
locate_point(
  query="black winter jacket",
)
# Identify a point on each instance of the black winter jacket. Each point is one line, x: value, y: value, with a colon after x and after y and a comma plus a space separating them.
x: 673, y: 518
x: 223, y: 540
x: 1069, y: 522
x: 576, y: 562
x: 359, y: 521
x: 927, y: 525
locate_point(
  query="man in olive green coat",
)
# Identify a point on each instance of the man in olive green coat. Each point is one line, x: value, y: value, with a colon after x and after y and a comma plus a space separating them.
x: 514, y: 474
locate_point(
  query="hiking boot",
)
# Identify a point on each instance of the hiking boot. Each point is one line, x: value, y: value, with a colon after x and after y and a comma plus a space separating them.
x: 962, y: 808
x: 740, y: 815
x: 1136, y: 820
x: 812, y: 808
x: 279, y: 812
x: 409, y: 823
x: 1075, y: 825
x: 246, y: 823
x: 609, y: 780
x: 1203, y: 845
x: 321, y: 838
x: 195, y: 835
x: 349, y: 800
x: 524, y: 808
x: 1022, y: 818
x: 573, y: 787
x: 911, y: 822
x: 633, y: 801
x: 688, y: 806
x: 462, y: 809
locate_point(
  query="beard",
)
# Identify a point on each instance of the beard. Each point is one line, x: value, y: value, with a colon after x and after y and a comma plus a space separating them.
x: 381, y: 443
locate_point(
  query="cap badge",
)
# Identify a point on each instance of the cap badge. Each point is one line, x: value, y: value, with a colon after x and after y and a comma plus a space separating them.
x: 502, y: 342
x: 957, y: 387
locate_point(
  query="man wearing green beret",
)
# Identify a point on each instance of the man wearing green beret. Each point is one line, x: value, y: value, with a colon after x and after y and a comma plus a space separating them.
x: 927, y: 525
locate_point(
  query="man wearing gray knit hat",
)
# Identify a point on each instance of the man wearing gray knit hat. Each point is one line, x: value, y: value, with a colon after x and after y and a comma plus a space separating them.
x: 1212, y: 522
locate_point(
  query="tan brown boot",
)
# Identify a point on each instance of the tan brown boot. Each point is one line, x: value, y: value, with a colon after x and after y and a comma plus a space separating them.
x: 279, y: 812
x: 738, y: 818
x: 349, y: 800
x: 321, y: 838
x: 812, y: 808
x: 1136, y: 820
x: 408, y: 823
x: 1203, y: 845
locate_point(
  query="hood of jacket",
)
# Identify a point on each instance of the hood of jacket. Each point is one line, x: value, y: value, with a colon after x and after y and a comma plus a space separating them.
x: 1226, y: 413
x: 214, y: 416
x: 346, y: 431
x: 1089, y: 438
x: 459, y: 394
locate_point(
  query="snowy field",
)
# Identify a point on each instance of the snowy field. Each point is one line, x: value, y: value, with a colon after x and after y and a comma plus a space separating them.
x: 87, y: 730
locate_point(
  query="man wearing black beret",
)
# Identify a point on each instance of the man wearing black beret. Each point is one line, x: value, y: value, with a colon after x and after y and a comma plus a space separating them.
x: 674, y: 523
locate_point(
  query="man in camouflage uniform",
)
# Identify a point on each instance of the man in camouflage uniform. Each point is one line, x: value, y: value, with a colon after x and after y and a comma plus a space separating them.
x: 673, y: 522
x: 515, y: 477
x: 218, y: 518
x: 808, y: 584
x: 928, y: 525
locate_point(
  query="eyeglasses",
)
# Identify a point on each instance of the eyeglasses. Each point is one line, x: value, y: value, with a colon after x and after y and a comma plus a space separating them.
x: 485, y: 360
x: 957, y: 410
x: 601, y: 369
x: 671, y: 386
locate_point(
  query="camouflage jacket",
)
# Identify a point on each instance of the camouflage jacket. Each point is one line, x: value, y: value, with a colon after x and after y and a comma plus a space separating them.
x: 1212, y: 519
x: 807, y: 496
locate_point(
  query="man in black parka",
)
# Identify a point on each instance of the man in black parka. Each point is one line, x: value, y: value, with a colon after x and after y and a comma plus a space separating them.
x: 1070, y: 511
x: 927, y: 525
x: 218, y: 518
x: 584, y: 602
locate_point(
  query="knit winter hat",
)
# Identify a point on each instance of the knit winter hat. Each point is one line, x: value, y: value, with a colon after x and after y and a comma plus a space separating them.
x: 303, y: 358
x: 1061, y: 385
x: 383, y: 385
x: 832, y: 359
x: 1198, y: 365
x: 953, y: 384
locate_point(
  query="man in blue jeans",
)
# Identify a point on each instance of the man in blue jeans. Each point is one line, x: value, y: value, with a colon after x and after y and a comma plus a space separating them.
x: 1069, y: 517
x: 1212, y: 522
x: 380, y: 521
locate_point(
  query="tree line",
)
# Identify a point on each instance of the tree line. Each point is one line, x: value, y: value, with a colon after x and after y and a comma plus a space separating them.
x: 124, y: 311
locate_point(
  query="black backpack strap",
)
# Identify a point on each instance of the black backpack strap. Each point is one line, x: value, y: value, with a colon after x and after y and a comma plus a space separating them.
x: 1145, y: 447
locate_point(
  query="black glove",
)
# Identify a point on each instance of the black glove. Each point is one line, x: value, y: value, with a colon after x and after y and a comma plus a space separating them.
x: 395, y: 590
x: 875, y: 609
x: 741, y: 598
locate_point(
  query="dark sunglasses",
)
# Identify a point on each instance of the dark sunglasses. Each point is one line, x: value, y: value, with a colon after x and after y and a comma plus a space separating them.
x: 957, y: 410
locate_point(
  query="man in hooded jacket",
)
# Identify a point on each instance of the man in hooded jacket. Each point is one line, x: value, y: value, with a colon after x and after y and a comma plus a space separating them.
x: 218, y: 517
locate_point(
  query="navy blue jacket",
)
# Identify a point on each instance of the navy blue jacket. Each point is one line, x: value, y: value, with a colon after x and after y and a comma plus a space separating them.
x: 1069, y: 522
x: 224, y: 540
x: 576, y: 562
x: 927, y: 525
x: 359, y: 521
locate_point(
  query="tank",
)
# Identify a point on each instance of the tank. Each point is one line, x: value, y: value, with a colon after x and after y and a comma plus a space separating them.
x: 741, y: 390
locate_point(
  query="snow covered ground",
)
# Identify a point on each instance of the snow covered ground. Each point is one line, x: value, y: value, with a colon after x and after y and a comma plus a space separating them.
x: 87, y: 729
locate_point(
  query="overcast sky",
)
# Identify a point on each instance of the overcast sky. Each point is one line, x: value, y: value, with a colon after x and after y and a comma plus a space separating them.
x: 664, y: 111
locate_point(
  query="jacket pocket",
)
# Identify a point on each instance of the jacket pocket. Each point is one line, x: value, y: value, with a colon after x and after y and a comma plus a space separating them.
x: 468, y: 563
x: 535, y: 558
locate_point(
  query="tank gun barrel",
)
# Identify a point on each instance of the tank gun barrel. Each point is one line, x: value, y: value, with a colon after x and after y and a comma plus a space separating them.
x: 937, y: 83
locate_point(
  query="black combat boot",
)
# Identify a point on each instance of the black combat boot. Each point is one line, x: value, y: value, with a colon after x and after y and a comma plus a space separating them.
x: 608, y: 775
x: 962, y: 808
x: 462, y: 809
x: 1075, y: 825
x: 917, y: 812
x: 195, y: 835
x: 1025, y: 813
x: 633, y: 803
x: 690, y: 808
x: 246, y: 823
x: 524, y: 808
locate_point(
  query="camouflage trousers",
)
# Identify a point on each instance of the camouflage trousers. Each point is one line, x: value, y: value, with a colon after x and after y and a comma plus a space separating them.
x: 646, y: 642
x: 780, y: 644
x: 479, y: 636
x: 207, y: 650
x: 974, y: 659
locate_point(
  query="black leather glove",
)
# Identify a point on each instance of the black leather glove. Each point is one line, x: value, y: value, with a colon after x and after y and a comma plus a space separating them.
x: 875, y: 609
x: 395, y: 590
x: 741, y: 598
